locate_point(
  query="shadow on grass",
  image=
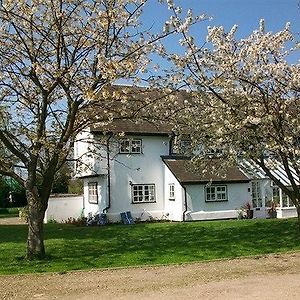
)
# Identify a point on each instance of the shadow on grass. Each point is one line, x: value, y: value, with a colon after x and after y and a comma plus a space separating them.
x: 71, y: 247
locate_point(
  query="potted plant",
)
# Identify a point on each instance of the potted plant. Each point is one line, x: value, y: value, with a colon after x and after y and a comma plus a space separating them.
x: 272, y: 212
x: 248, y: 211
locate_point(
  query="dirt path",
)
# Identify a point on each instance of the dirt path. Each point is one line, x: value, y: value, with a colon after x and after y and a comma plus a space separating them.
x: 269, y: 277
x: 11, y: 221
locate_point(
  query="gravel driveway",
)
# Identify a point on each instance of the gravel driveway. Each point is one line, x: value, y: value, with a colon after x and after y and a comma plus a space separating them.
x: 269, y: 277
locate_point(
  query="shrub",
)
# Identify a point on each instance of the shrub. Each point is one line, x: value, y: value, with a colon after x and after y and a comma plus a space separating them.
x: 81, y: 221
x: 23, y: 213
x: 4, y: 211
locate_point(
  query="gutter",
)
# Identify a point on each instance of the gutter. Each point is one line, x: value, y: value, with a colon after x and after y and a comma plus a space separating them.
x: 108, y: 175
x: 185, y: 203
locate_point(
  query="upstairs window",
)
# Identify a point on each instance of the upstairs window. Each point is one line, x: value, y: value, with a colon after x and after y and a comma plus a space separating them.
x: 214, y: 152
x: 143, y: 193
x: 130, y: 146
x: 216, y: 193
x: 181, y: 147
x: 172, y: 191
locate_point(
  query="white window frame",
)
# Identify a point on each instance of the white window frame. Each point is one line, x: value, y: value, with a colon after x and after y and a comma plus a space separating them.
x: 286, y: 201
x: 216, y: 193
x: 256, y: 194
x: 143, y: 193
x: 93, y: 192
x: 282, y: 198
x: 133, y: 146
x: 172, y: 191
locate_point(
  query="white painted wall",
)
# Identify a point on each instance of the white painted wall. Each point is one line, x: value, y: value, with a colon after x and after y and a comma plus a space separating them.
x: 102, y: 194
x: 127, y: 169
x: 173, y: 208
x: 91, y: 154
x: 198, y: 209
x: 62, y: 207
x: 286, y: 212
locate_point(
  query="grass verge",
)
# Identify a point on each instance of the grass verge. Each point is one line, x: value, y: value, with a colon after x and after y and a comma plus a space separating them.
x: 74, y: 248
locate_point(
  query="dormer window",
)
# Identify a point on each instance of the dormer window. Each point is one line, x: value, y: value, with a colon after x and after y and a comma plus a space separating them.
x: 214, y: 152
x: 181, y: 147
x: 130, y: 146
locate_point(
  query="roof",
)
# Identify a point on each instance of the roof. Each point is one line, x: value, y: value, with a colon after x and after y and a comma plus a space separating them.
x: 136, y: 110
x: 131, y: 127
x: 185, y: 173
x: 250, y: 168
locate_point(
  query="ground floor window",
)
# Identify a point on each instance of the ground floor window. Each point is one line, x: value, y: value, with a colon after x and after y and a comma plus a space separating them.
x: 286, y: 201
x: 143, y: 193
x: 216, y: 193
x: 256, y: 194
x: 93, y: 192
x: 280, y: 198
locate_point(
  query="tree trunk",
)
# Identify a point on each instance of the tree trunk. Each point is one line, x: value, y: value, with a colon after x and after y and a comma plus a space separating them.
x: 298, y: 215
x: 35, y: 239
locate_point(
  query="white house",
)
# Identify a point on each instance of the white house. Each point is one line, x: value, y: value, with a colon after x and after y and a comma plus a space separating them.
x: 132, y: 167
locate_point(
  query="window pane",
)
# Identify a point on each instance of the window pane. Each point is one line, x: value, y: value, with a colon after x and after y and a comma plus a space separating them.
x: 124, y: 146
x: 136, y: 146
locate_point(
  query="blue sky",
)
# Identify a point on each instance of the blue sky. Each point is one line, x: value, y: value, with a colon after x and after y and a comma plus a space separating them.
x: 245, y: 13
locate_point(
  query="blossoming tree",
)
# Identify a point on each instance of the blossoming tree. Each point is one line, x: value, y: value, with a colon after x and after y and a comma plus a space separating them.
x: 244, y: 99
x: 56, y: 56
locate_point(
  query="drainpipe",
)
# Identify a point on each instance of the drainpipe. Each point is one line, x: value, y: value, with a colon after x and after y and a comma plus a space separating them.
x: 185, y: 204
x: 108, y: 174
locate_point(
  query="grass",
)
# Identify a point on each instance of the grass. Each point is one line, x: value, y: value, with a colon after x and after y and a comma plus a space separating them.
x: 9, y: 212
x: 73, y: 248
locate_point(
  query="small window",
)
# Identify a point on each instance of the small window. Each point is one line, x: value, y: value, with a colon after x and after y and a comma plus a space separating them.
x: 214, y: 152
x: 143, y: 193
x: 216, y: 193
x: 181, y: 147
x: 172, y: 191
x: 130, y: 146
x: 93, y: 192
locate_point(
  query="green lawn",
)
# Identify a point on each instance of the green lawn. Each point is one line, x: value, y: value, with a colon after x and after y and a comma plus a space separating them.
x: 73, y: 248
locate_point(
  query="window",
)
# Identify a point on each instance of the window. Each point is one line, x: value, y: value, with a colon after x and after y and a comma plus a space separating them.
x: 216, y: 193
x: 143, y: 193
x: 93, y: 192
x: 256, y: 194
x: 286, y: 201
x: 214, y: 152
x: 131, y: 146
x: 171, y: 191
x: 181, y: 146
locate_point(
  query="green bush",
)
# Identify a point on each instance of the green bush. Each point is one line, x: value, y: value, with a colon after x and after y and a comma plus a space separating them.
x: 4, y: 211
x: 23, y: 213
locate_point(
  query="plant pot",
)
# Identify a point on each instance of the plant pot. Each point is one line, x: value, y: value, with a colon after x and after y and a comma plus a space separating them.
x: 250, y: 214
x: 273, y: 214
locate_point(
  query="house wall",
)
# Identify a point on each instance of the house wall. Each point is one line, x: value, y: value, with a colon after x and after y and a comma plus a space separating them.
x: 93, y: 208
x: 128, y: 169
x: 198, y: 209
x: 173, y: 208
x: 62, y: 207
x: 90, y: 153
